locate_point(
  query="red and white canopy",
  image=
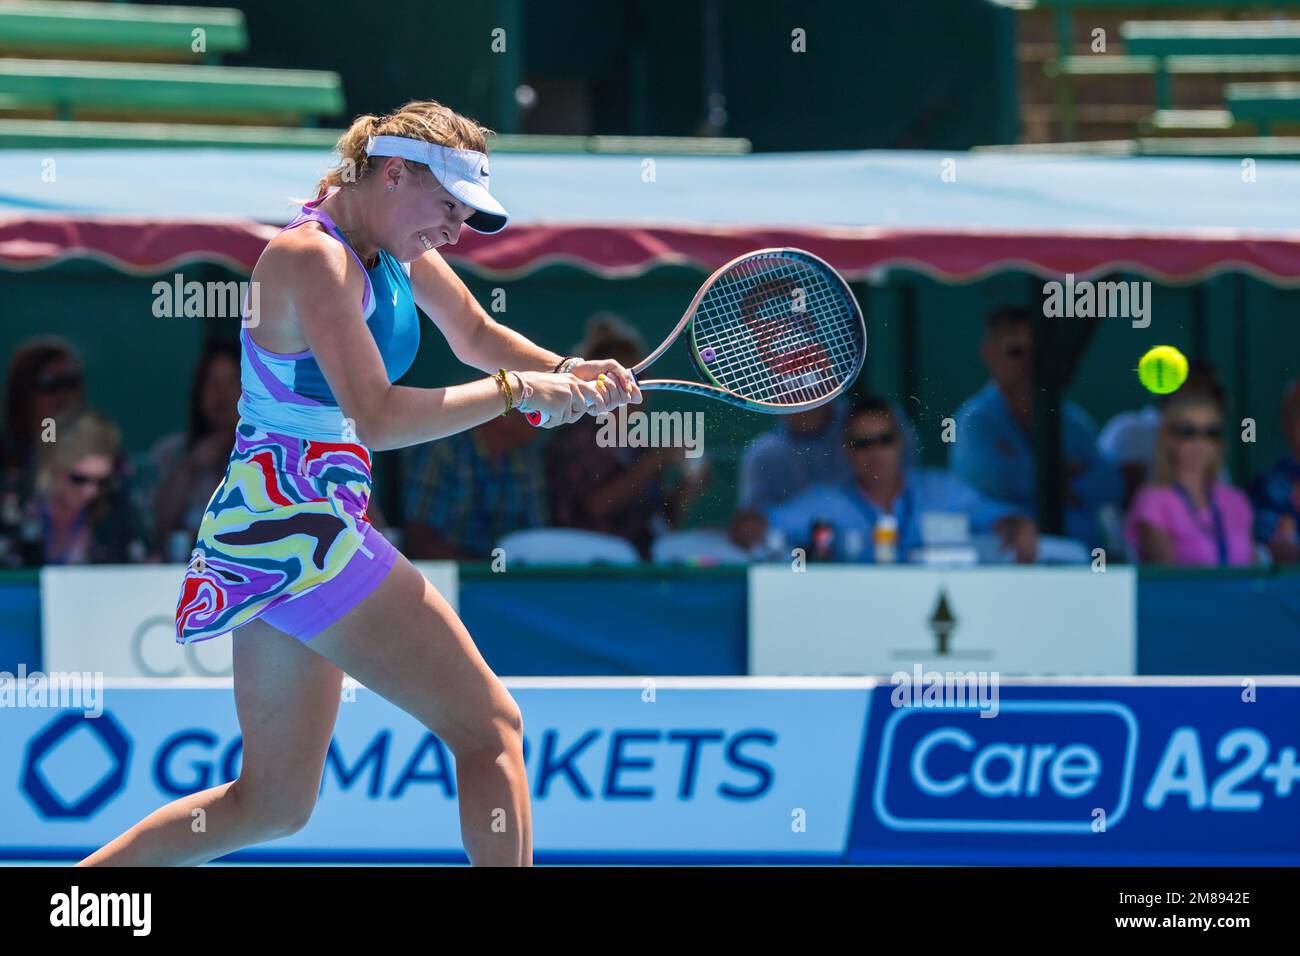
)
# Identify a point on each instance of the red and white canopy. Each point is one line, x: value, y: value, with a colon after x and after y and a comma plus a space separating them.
x: 955, y: 218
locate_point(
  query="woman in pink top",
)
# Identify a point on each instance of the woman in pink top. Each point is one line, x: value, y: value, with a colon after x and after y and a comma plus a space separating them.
x: 1187, y: 516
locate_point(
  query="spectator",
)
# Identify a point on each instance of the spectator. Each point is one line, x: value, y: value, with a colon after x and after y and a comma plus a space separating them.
x: 1128, y: 441
x: 1276, y: 493
x: 881, y: 484
x: 190, y: 464
x: 613, y: 490
x: 79, y: 513
x: 1186, y: 515
x: 994, y: 450
x: 45, y: 379
x: 803, y: 449
x: 464, y: 492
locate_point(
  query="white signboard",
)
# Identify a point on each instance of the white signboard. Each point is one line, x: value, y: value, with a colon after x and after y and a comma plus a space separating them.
x: 869, y: 620
x: 120, y: 620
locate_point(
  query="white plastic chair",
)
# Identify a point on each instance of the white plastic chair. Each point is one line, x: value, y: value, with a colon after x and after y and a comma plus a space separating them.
x: 567, y: 546
x: 702, y: 545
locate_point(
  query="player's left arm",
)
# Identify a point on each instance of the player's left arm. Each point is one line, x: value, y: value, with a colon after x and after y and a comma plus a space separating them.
x: 481, y: 342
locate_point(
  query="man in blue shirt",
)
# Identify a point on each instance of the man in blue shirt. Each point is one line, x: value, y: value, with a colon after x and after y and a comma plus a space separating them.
x: 881, y: 484
x: 801, y: 450
x: 994, y: 450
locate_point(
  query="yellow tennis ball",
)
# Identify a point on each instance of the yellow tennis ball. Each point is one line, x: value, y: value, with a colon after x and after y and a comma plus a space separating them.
x: 1163, y: 369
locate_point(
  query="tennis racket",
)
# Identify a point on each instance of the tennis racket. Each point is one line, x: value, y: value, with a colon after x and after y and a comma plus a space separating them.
x: 775, y: 331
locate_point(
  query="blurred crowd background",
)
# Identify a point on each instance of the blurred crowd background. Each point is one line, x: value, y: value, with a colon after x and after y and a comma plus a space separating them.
x: 935, y: 455
x: 1151, y: 484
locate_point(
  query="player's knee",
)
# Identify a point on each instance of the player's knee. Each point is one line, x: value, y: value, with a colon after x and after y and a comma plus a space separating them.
x: 294, y: 817
x: 506, y: 727
x: 501, y: 731
x: 276, y: 814
x: 511, y: 719
x: 286, y: 816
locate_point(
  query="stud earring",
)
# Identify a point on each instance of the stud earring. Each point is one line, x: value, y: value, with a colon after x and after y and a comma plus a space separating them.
x: 392, y: 189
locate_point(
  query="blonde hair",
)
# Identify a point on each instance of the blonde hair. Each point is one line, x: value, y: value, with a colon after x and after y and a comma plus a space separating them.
x: 419, y: 119
x: 77, y: 435
x: 1165, y: 473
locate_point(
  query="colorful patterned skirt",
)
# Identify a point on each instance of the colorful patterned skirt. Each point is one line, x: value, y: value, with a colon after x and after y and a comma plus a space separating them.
x: 285, y: 537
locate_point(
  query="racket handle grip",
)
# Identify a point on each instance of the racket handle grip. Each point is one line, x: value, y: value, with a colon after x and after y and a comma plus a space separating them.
x: 538, y: 418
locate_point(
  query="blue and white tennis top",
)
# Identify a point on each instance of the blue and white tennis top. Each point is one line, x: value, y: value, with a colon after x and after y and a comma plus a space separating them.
x: 287, y: 392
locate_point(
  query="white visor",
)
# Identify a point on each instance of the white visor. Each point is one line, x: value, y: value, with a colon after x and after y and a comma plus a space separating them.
x: 462, y: 172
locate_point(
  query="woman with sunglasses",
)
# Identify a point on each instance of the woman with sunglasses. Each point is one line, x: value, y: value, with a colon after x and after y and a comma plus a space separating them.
x: 1187, y: 515
x: 79, y: 509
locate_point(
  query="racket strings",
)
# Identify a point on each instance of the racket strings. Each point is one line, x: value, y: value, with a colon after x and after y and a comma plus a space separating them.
x: 778, y: 329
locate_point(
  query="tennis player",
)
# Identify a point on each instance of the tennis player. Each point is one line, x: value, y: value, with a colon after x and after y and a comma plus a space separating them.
x: 286, y: 559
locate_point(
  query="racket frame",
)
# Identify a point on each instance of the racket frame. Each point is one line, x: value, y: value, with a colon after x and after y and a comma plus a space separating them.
x: 718, y: 391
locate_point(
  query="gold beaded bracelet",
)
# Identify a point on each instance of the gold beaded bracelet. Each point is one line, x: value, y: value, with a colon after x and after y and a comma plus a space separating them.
x: 504, y: 381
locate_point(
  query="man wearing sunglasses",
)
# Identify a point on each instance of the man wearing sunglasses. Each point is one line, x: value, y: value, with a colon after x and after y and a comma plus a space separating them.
x: 994, y: 450
x: 882, y: 484
x: 799, y: 451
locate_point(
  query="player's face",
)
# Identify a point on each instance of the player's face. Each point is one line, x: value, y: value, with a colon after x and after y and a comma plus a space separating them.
x: 425, y: 216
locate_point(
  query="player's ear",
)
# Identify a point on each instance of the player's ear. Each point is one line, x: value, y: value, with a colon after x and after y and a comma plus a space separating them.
x: 393, y: 170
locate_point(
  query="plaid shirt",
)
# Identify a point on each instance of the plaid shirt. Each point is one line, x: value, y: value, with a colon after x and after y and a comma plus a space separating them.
x: 577, y: 468
x: 470, y: 498
x: 1274, y: 494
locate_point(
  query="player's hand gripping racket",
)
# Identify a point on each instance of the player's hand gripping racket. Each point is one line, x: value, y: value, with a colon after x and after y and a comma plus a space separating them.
x: 774, y: 331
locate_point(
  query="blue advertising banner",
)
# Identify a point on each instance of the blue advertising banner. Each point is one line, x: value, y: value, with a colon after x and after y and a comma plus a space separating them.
x: 530, y: 627
x: 719, y: 770
x: 622, y: 770
x: 1130, y: 773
